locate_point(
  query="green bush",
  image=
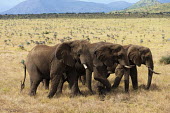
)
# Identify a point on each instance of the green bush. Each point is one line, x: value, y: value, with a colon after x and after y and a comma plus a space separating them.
x: 165, y: 59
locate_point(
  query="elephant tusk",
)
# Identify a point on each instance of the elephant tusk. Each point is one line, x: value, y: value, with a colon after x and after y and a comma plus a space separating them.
x: 153, y: 71
x: 85, y: 66
x: 129, y: 66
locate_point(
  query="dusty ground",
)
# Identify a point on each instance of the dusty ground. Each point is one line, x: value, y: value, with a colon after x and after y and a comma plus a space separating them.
x: 123, y: 31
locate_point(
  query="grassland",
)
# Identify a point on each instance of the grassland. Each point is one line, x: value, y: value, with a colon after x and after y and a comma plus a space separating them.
x: 150, y: 9
x: 150, y: 32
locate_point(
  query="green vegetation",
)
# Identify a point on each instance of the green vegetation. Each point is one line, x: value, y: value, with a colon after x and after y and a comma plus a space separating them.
x: 152, y: 9
x: 143, y: 3
x: 165, y: 60
x: 119, y: 14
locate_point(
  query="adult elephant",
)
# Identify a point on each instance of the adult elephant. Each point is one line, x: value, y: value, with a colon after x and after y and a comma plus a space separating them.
x: 106, y: 55
x: 50, y: 62
x: 137, y: 56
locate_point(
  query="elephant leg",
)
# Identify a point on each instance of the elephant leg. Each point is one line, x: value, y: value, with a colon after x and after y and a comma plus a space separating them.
x: 119, y: 72
x: 82, y: 79
x: 34, y: 87
x: 133, y: 74
x: 35, y: 79
x: 31, y: 82
x: 73, y: 82
x: 55, y: 79
x: 117, y: 81
x: 60, y: 86
x: 100, y: 74
x: 46, y: 83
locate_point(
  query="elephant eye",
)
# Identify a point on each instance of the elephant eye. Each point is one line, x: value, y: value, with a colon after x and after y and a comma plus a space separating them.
x: 79, y: 52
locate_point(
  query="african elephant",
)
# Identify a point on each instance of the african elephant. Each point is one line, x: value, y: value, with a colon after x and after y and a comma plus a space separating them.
x: 50, y: 62
x: 106, y: 55
x: 137, y: 55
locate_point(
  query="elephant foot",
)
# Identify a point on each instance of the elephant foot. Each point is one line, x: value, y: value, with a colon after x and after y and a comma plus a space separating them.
x: 32, y: 93
x: 50, y: 95
x: 58, y: 93
x: 135, y: 87
x: 101, y: 90
x: 114, y: 87
x: 91, y: 93
x: 102, y: 97
x: 79, y: 93
x: 147, y: 88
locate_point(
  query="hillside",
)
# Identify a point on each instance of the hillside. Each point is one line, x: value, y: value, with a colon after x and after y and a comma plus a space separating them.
x: 63, y: 6
x: 120, y: 5
x: 164, y: 1
x: 151, y: 9
x: 143, y: 3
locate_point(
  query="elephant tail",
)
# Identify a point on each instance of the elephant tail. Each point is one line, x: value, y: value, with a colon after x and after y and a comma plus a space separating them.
x: 23, y: 83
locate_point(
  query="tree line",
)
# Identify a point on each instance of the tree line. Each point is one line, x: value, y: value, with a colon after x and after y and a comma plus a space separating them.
x: 86, y: 15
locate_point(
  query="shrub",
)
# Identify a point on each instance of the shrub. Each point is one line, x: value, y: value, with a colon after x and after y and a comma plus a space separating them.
x: 21, y: 47
x: 165, y: 59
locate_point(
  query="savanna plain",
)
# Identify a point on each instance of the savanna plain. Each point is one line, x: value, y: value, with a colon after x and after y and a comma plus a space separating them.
x: 19, y: 36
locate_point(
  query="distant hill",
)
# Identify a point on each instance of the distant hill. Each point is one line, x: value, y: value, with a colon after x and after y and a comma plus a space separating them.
x: 64, y: 6
x: 151, y: 9
x: 143, y: 3
x: 119, y: 5
x: 164, y: 1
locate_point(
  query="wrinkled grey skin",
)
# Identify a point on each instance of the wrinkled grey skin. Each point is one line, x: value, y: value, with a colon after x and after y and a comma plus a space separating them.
x: 82, y: 74
x: 106, y: 55
x: 50, y: 62
x: 137, y: 56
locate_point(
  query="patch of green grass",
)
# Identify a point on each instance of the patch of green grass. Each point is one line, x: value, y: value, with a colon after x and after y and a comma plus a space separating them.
x: 165, y: 60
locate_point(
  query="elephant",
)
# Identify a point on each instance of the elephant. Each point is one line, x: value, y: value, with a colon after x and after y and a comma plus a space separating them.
x: 105, y: 55
x: 137, y: 56
x: 50, y: 62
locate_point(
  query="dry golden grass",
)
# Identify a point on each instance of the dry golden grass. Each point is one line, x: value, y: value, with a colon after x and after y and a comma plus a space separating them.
x: 151, y: 31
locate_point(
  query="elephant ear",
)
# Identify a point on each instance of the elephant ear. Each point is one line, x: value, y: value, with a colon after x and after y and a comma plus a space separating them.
x: 144, y: 50
x: 102, y: 52
x: 97, y: 62
x: 131, y: 52
x: 116, y: 48
x: 63, y: 52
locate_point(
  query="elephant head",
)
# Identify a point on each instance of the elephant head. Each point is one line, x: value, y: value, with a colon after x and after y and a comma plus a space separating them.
x: 142, y: 55
x: 70, y: 52
x: 109, y: 54
x: 134, y: 55
x: 146, y: 59
x: 76, y: 51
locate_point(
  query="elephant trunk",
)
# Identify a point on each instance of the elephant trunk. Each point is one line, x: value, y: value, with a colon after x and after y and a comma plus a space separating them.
x: 150, y: 73
x: 125, y: 63
x: 87, y: 64
x: 89, y: 80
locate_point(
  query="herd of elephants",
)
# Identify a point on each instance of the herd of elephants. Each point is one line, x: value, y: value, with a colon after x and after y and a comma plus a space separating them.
x: 74, y: 60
